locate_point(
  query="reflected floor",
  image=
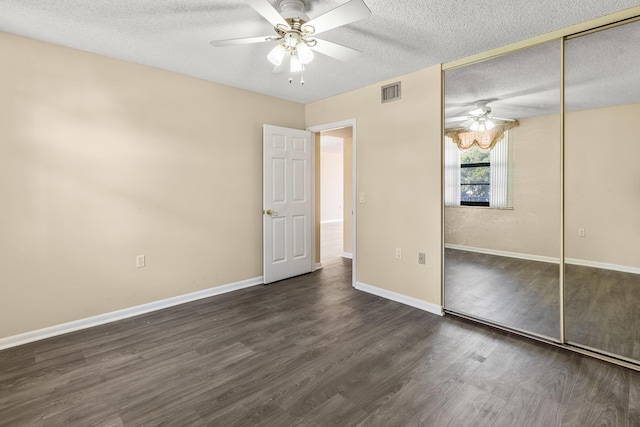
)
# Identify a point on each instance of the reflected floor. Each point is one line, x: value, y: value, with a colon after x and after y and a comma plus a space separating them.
x: 602, y: 307
x: 518, y: 293
x: 603, y: 310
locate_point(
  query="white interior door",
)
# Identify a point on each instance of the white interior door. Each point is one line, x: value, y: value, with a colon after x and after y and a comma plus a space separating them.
x: 287, y: 202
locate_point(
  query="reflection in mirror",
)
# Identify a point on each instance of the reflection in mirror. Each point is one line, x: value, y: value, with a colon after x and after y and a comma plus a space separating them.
x: 502, y: 190
x: 602, y: 191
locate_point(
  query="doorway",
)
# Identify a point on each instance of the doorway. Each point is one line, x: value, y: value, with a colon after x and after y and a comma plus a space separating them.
x: 335, y: 183
x: 335, y: 197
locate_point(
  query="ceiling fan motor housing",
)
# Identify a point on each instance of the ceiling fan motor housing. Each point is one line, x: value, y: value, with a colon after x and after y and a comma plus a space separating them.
x: 293, y: 9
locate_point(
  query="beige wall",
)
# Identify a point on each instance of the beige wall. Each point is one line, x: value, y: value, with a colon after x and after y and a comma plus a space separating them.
x: 102, y: 160
x: 398, y: 168
x: 602, y: 194
x: 533, y: 225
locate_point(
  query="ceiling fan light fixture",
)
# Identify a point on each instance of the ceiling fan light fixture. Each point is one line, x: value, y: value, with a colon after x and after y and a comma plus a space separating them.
x: 305, y: 54
x: 296, y: 66
x: 482, y: 125
x: 291, y: 39
x: 277, y: 55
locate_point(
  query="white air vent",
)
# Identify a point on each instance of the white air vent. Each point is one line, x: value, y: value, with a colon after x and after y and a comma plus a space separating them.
x: 391, y: 92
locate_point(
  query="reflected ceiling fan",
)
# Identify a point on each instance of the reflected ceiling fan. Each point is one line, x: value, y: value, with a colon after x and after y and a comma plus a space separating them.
x: 295, y: 31
x: 479, y: 119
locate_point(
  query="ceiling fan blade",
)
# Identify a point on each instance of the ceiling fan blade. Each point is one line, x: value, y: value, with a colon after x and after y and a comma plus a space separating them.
x: 502, y: 119
x: 456, y: 119
x: 351, y: 11
x: 264, y: 8
x: 245, y: 40
x: 337, y: 51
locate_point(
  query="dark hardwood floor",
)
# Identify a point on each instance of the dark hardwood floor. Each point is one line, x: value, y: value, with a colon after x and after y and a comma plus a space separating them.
x: 307, y: 351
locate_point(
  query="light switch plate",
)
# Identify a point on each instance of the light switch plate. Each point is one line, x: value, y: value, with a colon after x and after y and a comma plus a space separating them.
x: 140, y: 261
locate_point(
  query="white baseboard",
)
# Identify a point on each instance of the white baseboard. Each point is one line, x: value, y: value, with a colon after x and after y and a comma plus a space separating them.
x: 318, y: 266
x: 101, y: 319
x: 347, y: 255
x: 518, y: 255
x: 529, y: 257
x: 330, y: 221
x: 403, y: 299
x: 602, y: 265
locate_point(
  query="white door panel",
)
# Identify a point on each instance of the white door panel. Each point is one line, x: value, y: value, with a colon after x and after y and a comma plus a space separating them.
x: 287, y: 200
x: 299, y: 236
x: 279, y: 236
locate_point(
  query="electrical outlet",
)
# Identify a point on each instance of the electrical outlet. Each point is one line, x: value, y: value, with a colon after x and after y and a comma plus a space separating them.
x: 580, y: 232
x: 140, y: 261
x: 398, y: 253
x: 422, y: 259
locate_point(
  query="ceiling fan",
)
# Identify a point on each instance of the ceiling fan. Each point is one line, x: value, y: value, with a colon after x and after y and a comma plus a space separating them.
x: 479, y: 119
x: 295, y: 33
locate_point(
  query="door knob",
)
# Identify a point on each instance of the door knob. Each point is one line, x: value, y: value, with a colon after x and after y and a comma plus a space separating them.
x: 271, y: 212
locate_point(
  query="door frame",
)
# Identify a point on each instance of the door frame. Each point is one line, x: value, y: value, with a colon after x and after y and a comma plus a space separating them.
x: 323, y: 128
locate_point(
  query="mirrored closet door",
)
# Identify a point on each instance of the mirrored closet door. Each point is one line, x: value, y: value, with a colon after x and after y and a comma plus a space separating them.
x: 602, y: 191
x: 502, y: 213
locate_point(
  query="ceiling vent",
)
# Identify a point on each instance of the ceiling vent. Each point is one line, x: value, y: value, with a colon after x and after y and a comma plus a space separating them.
x: 391, y: 92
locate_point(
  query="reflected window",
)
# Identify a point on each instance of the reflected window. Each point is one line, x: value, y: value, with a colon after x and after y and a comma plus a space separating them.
x: 476, y: 177
x: 475, y: 173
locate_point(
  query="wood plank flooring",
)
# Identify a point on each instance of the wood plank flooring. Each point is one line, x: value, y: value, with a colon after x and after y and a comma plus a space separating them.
x: 307, y: 351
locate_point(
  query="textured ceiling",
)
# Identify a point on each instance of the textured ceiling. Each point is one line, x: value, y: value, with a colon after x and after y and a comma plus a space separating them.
x: 401, y: 36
